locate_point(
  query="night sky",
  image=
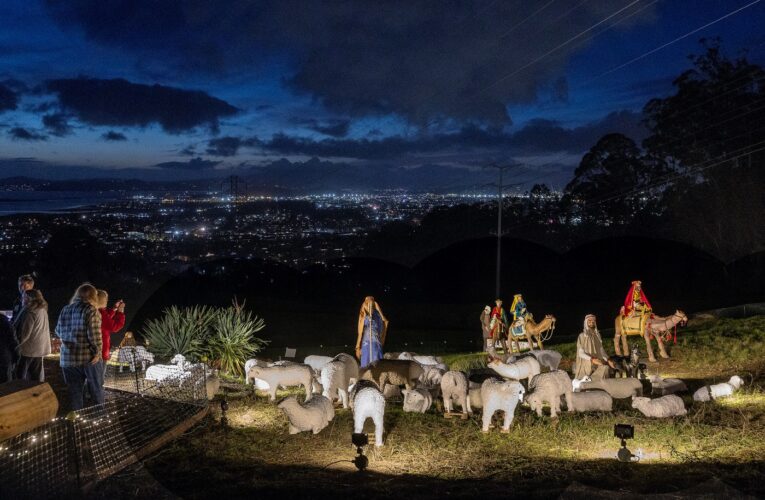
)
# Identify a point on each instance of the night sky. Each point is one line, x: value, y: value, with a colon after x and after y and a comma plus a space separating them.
x: 196, y: 88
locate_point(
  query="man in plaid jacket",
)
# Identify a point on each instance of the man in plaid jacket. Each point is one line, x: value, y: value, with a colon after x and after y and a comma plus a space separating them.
x: 79, y: 328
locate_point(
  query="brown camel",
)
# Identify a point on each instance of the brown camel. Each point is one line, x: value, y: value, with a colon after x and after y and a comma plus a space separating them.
x: 534, y: 330
x: 655, y: 326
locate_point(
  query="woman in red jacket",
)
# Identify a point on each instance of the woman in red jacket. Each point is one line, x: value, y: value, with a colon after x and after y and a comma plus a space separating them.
x: 112, y: 321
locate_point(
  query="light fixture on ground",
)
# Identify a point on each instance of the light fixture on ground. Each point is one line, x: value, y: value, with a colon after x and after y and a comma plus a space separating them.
x: 360, y: 440
x: 625, y: 432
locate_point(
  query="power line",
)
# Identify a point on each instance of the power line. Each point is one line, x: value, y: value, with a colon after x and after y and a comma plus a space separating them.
x: 667, y: 44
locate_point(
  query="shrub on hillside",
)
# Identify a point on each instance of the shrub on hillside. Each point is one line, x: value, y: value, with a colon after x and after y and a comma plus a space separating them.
x: 222, y: 337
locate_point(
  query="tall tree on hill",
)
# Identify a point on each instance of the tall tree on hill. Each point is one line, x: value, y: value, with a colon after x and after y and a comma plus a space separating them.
x: 710, y: 133
x: 607, y: 186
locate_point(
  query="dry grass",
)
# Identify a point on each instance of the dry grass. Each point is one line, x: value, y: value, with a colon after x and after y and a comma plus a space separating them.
x: 724, y: 438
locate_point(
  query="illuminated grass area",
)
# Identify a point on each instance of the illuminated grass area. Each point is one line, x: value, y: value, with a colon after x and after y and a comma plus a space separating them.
x: 724, y: 438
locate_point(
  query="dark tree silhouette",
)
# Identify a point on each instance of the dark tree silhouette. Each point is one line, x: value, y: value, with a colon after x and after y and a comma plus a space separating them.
x: 711, y: 133
x: 607, y: 184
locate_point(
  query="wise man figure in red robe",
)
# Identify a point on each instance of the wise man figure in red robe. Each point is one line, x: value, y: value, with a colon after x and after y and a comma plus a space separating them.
x: 499, y: 324
x: 636, y: 302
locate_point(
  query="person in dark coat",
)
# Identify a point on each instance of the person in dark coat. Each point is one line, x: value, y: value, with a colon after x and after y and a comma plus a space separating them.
x: 26, y: 282
x: 8, y: 349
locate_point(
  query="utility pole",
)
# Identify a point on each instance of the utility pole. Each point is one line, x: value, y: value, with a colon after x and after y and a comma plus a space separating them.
x: 500, y: 186
x: 499, y: 230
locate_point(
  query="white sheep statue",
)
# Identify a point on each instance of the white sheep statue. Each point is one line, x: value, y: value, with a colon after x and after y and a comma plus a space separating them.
x: 392, y: 391
x: 718, y: 391
x: 454, y: 389
x: 591, y: 401
x: 284, y: 376
x: 431, y: 376
x: 428, y: 360
x: 368, y: 402
x: 134, y: 355
x: 618, y: 388
x: 334, y: 381
x: 663, y: 407
x: 316, y: 362
x: 501, y: 395
x: 351, y: 366
x: 174, y: 374
x: 393, y: 371
x: 406, y: 356
x: 525, y: 367
x: 313, y: 415
x: 548, y: 388
x: 474, y: 394
x: 417, y: 400
x: 665, y: 386
x: 546, y: 357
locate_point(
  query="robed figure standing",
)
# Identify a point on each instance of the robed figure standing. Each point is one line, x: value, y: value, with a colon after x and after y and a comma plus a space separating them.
x: 372, y: 328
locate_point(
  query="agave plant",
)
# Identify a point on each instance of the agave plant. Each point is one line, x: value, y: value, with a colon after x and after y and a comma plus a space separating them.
x: 180, y: 331
x: 232, y: 340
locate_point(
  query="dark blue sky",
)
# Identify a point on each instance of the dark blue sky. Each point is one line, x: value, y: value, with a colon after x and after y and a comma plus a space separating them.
x: 198, y: 88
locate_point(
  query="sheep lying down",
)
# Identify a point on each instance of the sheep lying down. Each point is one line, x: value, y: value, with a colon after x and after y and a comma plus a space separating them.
x: 663, y: 407
x: 718, y: 391
x: 313, y: 415
x: 591, y: 401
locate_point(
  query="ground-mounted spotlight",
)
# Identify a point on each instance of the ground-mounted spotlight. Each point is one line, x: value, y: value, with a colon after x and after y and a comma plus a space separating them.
x: 625, y: 432
x: 360, y: 440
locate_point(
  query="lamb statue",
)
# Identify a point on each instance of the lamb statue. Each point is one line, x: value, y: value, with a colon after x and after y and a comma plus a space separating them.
x: 316, y: 362
x: 134, y: 355
x: 428, y: 360
x: 174, y: 374
x: 431, y: 376
x: 474, y: 393
x: 334, y: 380
x: 313, y: 415
x: 351, y: 366
x: 548, y: 388
x: 368, y: 402
x: 618, y: 388
x: 393, y: 371
x: 500, y: 395
x: 525, y: 367
x: 592, y: 401
x: 417, y: 400
x: 663, y: 407
x: 717, y: 391
x: 454, y: 389
x: 546, y: 357
x: 284, y: 376
x: 666, y: 386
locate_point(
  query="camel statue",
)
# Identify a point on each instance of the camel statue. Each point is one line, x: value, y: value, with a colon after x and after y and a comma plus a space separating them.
x: 534, y: 329
x: 655, y: 326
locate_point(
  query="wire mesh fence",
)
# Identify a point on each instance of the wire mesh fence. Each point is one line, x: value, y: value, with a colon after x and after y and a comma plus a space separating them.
x: 146, y: 405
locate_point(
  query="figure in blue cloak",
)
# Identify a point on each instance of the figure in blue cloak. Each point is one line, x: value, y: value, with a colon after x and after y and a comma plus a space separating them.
x: 372, y: 329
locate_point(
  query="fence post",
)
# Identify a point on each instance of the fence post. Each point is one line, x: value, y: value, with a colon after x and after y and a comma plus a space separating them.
x: 135, y: 373
x: 70, y: 419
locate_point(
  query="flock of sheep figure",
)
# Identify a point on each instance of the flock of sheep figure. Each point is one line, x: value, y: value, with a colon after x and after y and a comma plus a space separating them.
x: 327, y: 380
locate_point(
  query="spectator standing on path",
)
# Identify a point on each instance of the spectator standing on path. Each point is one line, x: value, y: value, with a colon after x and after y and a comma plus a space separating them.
x: 33, y: 333
x: 112, y: 321
x: 79, y: 328
x: 26, y: 282
x: 8, y: 352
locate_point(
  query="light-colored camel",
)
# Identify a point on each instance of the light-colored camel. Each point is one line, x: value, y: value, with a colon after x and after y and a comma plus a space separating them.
x: 655, y: 327
x: 534, y: 329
